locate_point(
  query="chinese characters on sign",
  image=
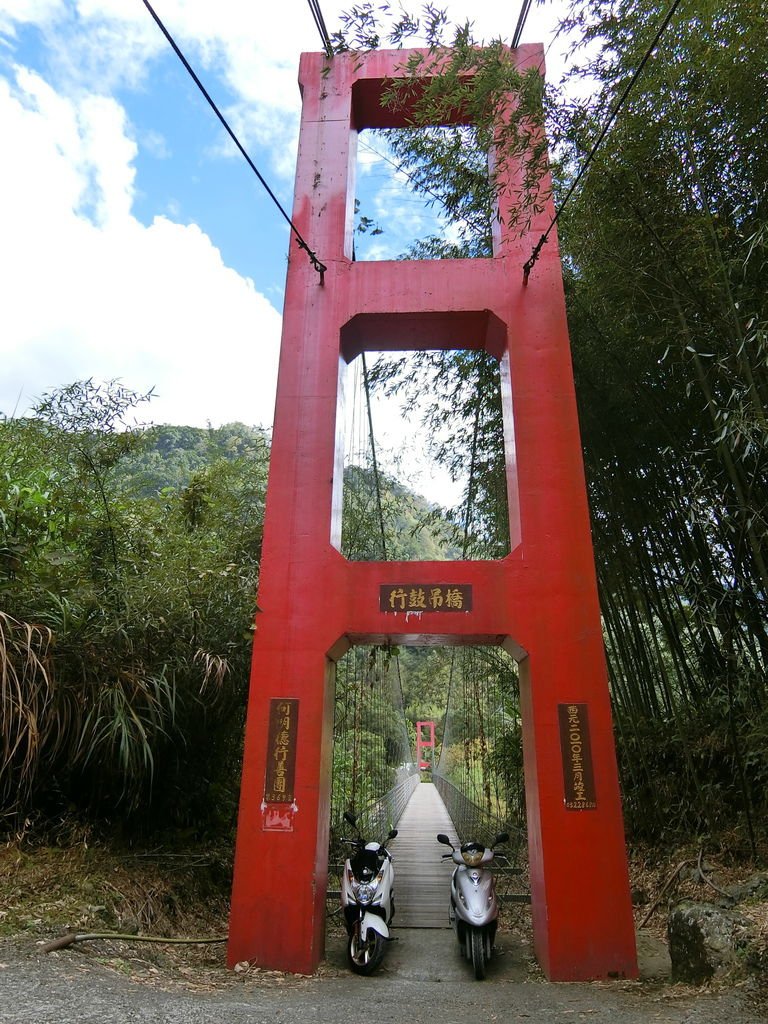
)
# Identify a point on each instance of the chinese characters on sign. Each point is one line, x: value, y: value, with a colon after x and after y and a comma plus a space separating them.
x: 425, y: 597
x: 281, y: 750
x: 578, y: 775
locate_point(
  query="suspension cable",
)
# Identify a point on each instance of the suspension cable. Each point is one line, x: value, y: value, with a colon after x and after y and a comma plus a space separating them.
x: 472, y: 464
x: 443, y: 740
x: 524, y: 9
x: 358, y: 682
x: 317, y: 14
x: 302, y: 244
x: 528, y: 266
x: 400, y: 688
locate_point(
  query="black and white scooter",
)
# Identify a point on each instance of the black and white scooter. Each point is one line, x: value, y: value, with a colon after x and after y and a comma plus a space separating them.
x: 368, y: 900
x: 474, y: 908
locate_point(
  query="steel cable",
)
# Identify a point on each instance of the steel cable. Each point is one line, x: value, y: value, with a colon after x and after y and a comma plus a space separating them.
x: 321, y: 268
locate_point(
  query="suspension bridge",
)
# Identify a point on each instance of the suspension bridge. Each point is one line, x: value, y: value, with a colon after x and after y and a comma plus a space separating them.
x: 475, y: 785
x: 474, y: 789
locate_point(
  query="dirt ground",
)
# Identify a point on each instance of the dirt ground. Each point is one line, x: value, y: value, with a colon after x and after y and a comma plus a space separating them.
x: 46, y: 892
x: 423, y: 980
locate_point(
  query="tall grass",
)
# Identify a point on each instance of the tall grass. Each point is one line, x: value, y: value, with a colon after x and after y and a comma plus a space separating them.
x: 26, y: 693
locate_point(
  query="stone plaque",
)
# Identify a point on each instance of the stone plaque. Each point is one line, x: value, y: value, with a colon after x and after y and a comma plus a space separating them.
x: 281, y: 750
x: 578, y: 775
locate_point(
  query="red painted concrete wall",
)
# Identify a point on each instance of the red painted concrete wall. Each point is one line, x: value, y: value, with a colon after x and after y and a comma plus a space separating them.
x: 540, y: 602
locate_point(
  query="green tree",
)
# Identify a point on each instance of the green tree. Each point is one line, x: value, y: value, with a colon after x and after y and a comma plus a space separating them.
x: 126, y: 616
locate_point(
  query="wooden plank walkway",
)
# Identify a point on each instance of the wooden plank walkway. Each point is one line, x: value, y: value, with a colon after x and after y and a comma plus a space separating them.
x: 422, y: 879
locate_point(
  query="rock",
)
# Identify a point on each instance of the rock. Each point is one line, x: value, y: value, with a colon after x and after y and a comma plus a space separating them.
x: 652, y: 957
x: 704, y: 940
x: 755, y: 888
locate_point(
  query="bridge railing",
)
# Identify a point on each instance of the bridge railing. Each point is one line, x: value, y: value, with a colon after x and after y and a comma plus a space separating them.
x: 376, y: 819
x: 470, y: 820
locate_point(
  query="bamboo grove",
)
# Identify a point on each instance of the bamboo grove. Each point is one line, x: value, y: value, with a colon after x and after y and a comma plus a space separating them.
x: 128, y: 568
x: 666, y: 250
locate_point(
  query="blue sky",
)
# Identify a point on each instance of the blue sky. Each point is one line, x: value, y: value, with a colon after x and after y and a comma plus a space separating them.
x: 134, y: 241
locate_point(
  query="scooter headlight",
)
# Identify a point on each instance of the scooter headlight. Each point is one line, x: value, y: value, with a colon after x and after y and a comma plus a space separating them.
x: 472, y: 857
x: 365, y: 892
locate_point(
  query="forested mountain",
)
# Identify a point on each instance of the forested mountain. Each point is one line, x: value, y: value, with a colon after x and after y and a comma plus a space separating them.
x: 414, y: 529
x: 170, y: 456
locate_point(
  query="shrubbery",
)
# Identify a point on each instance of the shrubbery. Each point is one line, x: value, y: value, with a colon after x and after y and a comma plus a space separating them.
x: 127, y: 605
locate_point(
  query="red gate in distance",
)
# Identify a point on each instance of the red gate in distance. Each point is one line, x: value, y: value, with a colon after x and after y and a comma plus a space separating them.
x: 423, y: 743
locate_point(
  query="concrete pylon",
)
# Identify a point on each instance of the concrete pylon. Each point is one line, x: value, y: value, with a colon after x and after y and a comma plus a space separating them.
x: 540, y: 602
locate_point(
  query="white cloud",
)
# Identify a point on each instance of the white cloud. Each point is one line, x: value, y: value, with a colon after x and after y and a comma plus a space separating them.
x: 102, y: 45
x: 89, y: 291
x: 155, y: 144
x: 99, y: 45
x: 21, y: 12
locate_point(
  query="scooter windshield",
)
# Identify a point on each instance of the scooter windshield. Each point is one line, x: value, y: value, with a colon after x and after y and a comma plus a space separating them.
x: 364, y: 864
x: 472, y: 854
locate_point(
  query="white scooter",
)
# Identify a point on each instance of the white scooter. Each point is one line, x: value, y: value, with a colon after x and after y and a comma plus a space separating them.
x: 474, y: 909
x: 368, y: 900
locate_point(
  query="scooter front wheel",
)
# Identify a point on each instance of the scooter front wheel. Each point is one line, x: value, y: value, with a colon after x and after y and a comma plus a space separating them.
x: 478, y: 953
x: 365, y: 956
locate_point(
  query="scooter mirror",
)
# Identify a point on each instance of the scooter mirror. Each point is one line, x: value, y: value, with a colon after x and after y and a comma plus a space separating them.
x: 392, y: 833
x: 350, y: 818
x: 442, y: 838
x: 502, y: 837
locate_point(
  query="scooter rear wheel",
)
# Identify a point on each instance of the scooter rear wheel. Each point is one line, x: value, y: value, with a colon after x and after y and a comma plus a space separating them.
x: 365, y: 957
x: 478, y: 953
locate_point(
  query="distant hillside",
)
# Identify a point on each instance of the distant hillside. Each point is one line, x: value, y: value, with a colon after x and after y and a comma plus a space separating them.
x: 414, y: 528
x: 170, y: 456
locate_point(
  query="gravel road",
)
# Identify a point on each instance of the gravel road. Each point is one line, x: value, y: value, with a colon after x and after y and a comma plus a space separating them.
x: 423, y: 981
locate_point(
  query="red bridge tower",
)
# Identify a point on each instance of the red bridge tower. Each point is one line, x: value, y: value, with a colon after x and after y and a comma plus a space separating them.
x: 539, y: 603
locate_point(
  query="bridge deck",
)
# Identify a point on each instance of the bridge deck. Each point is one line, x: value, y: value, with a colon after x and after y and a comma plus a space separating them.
x: 422, y: 879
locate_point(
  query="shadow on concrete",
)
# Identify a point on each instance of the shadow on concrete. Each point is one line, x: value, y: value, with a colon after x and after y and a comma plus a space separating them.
x: 432, y: 954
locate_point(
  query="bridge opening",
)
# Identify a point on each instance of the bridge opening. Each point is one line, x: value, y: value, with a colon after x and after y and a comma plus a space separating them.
x: 471, y: 694
x: 425, y: 474
x: 400, y: 207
